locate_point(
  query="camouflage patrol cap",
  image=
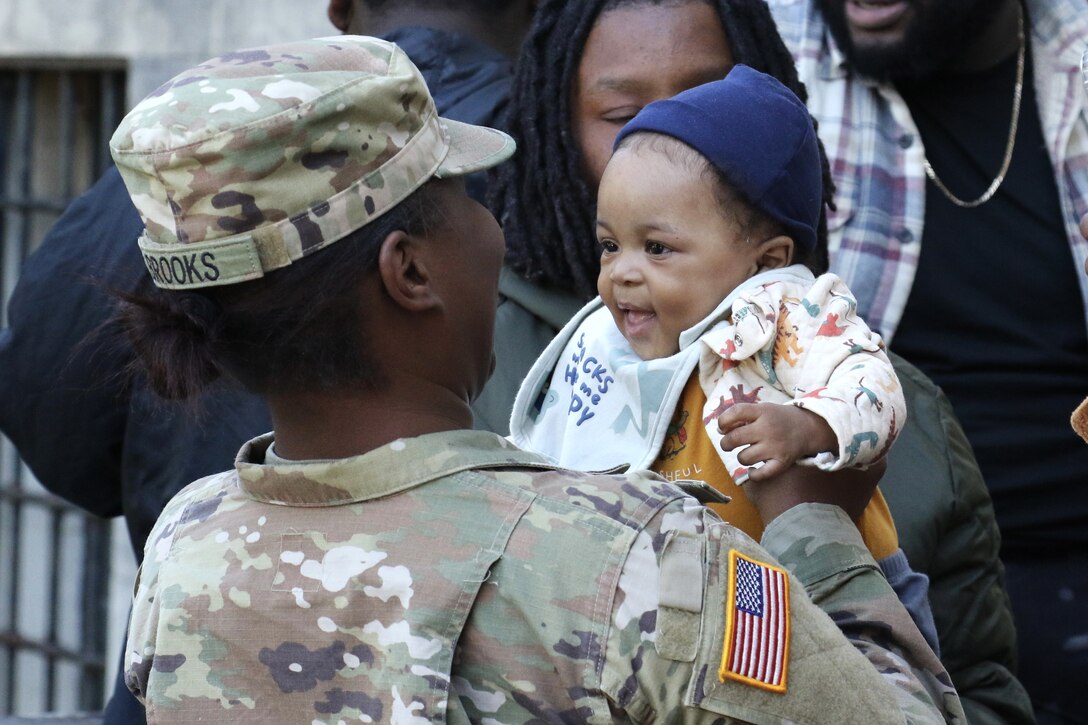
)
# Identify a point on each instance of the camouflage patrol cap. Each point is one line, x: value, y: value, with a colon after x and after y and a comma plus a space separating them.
x: 254, y: 159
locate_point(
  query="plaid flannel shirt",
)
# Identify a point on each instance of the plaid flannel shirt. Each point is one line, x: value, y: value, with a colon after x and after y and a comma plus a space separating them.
x: 876, y: 152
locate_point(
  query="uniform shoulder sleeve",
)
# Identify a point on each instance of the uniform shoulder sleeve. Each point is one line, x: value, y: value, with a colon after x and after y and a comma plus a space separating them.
x: 726, y: 630
x: 194, y: 501
x: 824, y: 551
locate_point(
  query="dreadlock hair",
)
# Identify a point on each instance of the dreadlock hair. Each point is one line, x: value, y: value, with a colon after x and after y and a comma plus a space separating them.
x: 540, y: 196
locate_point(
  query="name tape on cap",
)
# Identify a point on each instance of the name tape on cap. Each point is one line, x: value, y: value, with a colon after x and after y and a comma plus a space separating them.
x: 201, y: 265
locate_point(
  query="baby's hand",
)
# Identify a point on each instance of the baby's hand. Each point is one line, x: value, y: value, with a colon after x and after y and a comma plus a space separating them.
x: 776, y: 434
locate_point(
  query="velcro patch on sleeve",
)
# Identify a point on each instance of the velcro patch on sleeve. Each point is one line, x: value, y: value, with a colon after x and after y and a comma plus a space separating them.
x: 757, y: 630
x: 680, y: 581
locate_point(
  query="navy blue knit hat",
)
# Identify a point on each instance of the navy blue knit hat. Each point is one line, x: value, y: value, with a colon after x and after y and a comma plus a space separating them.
x: 758, y: 134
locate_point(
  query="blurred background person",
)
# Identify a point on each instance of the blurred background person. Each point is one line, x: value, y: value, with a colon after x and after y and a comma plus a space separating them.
x: 958, y: 139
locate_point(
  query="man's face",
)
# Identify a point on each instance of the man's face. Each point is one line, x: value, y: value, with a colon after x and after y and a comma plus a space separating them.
x: 637, y: 54
x: 903, y: 39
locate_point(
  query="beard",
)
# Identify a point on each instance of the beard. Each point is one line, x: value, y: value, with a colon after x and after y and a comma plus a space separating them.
x: 938, y: 30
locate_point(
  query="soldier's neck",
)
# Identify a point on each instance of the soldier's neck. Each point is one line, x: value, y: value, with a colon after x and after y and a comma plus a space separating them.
x: 311, y: 426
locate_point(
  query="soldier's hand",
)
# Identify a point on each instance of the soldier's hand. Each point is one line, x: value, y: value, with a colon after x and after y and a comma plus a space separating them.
x: 850, y: 489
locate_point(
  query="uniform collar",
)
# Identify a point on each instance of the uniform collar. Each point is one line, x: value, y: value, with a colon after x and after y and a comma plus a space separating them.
x: 397, y: 466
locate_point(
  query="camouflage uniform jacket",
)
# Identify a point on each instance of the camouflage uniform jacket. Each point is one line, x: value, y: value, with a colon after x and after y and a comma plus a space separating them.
x: 452, y: 577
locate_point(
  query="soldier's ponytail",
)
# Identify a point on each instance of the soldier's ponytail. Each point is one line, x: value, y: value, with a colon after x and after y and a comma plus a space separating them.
x: 174, y: 335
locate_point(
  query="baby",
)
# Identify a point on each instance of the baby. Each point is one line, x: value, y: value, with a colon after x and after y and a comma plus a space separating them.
x: 712, y: 329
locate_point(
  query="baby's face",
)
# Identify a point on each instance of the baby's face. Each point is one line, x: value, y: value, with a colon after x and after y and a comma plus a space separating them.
x: 669, y: 253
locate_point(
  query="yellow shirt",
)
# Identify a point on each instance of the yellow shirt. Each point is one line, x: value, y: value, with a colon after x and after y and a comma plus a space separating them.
x: 688, y: 452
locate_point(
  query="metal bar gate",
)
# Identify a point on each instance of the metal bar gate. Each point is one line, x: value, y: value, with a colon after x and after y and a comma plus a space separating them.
x: 54, y: 559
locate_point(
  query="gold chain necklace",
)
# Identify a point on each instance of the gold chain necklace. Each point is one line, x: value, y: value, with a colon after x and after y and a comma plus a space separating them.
x: 996, y: 183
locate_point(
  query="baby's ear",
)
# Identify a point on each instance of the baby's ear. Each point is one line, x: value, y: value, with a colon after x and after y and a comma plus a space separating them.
x: 776, y: 252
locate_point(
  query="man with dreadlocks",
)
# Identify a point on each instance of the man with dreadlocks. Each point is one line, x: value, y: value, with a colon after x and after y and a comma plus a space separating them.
x: 579, y: 79
x: 968, y: 122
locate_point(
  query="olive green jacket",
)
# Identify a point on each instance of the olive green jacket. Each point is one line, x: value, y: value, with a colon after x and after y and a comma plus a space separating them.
x: 933, y: 486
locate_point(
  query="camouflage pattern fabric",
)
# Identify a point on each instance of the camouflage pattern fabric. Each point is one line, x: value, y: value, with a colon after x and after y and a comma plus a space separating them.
x: 455, y: 578
x: 258, y: 157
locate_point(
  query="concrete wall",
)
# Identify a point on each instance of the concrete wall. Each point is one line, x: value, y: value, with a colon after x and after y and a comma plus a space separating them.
x: 155, y: 38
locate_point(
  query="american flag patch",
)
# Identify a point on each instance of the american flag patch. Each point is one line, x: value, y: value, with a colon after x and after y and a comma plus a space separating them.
x: 757, y: 630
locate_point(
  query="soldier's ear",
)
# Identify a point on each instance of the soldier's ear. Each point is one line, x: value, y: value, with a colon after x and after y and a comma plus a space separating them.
x: 405, y: 273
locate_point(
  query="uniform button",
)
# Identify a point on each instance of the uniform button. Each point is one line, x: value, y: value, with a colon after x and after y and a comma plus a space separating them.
x: 905, y: 236
x: 906, y: 141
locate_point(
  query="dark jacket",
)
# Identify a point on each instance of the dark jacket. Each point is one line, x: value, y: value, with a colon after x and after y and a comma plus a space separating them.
x: 946, y: 524
x: 940, y: 504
